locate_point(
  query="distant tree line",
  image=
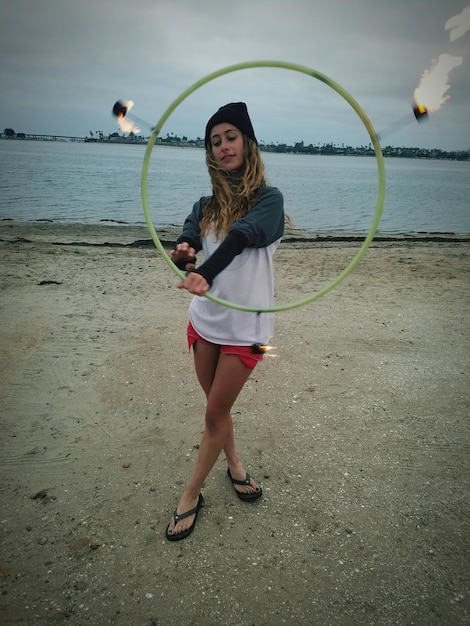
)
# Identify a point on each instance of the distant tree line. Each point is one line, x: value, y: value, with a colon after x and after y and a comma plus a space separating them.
x: 10, y: 133
x: 388, y: 151
x: 297, y: 148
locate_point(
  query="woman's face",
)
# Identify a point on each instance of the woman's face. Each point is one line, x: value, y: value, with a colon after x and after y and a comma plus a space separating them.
x: 227, y: 146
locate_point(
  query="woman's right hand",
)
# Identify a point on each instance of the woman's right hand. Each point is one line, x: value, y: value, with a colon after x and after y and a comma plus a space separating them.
x: 195, y: 284
x: 184, y: 256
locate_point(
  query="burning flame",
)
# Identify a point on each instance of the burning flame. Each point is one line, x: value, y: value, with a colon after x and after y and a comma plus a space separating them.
x: 430, y: 94
x: 259, y: 348
x: 434, y: 83
x: 127, y: 126
x: 266, y: 348
x: 458, y: 25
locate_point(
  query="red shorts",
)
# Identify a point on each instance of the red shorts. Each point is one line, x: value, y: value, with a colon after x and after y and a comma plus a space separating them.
x: 244, y: 353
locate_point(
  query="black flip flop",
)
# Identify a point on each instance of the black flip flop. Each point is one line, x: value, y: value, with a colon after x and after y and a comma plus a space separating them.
x: 251, y: 496
x: 177, y: 517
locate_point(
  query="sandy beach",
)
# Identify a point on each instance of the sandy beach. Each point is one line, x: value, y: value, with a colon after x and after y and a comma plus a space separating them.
x: 358, y: 429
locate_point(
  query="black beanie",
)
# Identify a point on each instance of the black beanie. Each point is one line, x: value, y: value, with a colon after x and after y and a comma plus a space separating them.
x: 234, y: 113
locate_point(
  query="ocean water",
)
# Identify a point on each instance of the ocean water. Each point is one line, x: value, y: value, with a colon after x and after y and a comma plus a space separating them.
x: 100, y: 183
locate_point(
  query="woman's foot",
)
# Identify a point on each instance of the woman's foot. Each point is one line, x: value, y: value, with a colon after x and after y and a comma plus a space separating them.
x: 184, y: 518
x: 245, y: 487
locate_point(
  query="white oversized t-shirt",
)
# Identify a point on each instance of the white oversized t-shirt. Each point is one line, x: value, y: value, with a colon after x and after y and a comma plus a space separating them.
x: 248, y: 280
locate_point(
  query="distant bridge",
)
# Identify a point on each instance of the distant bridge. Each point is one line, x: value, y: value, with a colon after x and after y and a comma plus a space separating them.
x: 136, y: 141
x: 72, y: 139
x: 23, y: 136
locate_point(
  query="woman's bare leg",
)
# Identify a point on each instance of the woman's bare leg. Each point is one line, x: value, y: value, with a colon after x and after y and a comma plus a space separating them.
x: 222, y: 377
x: 237, y: 470
x: 205, y: 359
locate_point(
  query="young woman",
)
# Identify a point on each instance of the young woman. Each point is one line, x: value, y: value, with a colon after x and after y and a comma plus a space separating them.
x: 238, y: 228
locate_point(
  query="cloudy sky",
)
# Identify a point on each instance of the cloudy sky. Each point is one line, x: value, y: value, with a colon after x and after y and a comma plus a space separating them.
x: 65, y: 62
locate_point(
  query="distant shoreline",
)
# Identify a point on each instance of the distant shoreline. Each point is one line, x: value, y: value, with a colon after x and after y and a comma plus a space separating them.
x: 327, y: 149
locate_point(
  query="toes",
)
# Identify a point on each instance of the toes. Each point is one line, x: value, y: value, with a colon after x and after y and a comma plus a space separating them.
x: 248, y: 489
x: 178, y: 528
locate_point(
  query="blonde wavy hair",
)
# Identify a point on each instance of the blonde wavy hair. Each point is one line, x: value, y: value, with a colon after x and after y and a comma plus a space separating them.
x: 233, y: 195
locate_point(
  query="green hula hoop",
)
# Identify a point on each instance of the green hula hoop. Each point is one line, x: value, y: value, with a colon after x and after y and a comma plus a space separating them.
x: 378, y: 155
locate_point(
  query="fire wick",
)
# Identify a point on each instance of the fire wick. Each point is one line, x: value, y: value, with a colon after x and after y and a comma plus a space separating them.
x: 120, y: 109
x: 419, y: 113
x: 259, y: 348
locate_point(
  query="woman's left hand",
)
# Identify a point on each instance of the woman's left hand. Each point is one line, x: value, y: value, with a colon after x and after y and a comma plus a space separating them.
x: 195, y: 284
x: 184, y: 256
